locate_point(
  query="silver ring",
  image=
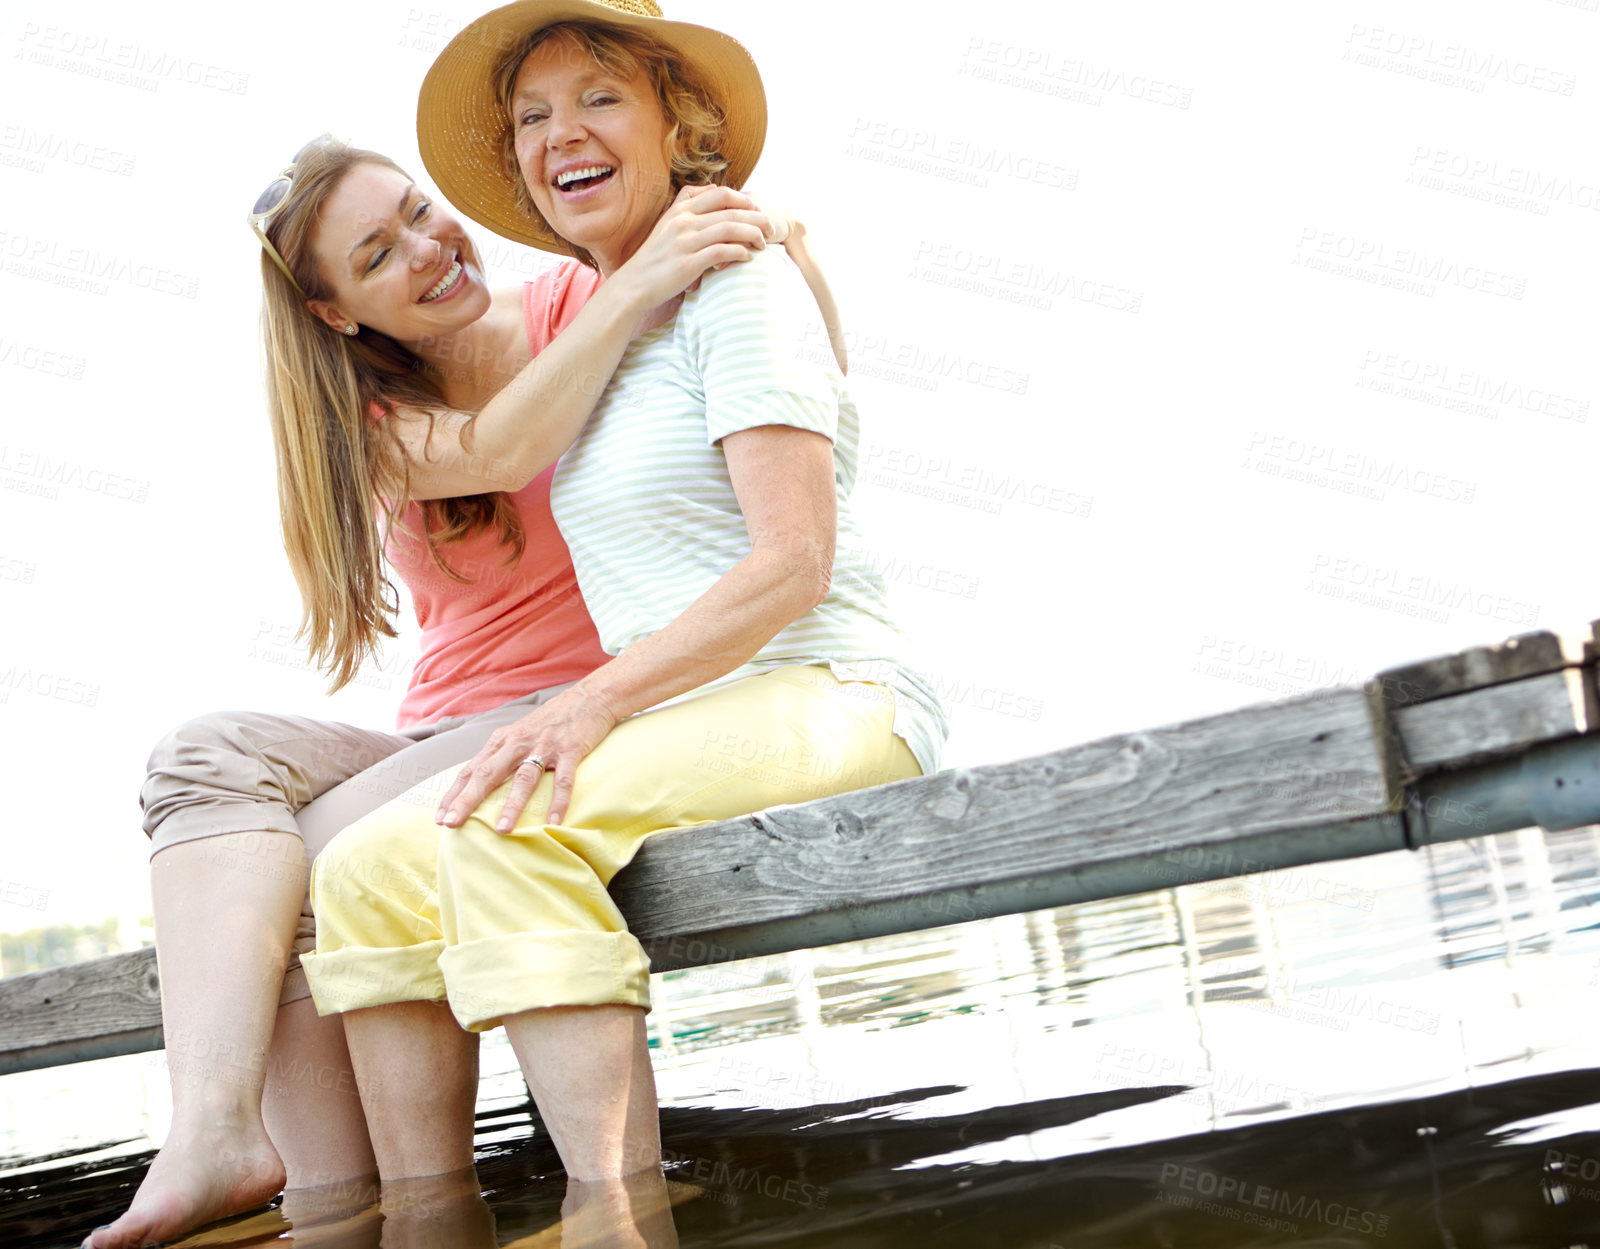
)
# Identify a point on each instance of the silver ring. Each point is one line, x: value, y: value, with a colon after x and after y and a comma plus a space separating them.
x: 536, y: 761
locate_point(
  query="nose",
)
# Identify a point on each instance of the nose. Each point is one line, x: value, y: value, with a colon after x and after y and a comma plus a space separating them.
x: 565, y: 127
x: 425, y: 252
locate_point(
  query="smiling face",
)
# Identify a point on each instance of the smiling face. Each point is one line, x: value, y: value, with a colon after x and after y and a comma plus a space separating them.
x: 592, y: 148
x: 393, y: 259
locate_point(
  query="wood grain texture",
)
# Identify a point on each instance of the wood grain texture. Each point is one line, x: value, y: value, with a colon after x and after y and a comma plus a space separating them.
x: 1270, y: 786
x: 1194, y: 801
x: 1277, y: 785
x: 1526, y: 655
x: 47, y: 1016
x: 1486, y: 722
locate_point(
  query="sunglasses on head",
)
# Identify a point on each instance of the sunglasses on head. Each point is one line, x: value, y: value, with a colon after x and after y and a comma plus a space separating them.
x: 270, y: 200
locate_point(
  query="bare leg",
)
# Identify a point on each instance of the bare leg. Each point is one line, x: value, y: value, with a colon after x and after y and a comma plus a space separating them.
x: 634, y: 1212
x: 311, y: 1108
x: 437, y: 1212
x: 225, y: 911
x: 588, y: 1068
x: 418, y: 1074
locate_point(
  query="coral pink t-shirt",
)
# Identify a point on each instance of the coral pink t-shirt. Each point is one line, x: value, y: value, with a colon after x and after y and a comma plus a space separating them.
x: 511, y: 629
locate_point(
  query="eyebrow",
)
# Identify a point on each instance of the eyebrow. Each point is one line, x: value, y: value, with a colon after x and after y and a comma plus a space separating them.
x: 591, y: 77
x: 399, y: 208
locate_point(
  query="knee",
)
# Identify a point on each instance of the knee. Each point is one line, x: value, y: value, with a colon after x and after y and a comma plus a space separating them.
x: 387, y: 854
x: 193, y: 740
x: 197, y: 763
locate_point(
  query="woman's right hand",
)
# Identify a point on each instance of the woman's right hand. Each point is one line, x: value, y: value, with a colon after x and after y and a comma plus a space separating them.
x: 705, y: 228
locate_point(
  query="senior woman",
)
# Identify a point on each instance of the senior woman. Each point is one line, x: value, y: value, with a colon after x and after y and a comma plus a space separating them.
x: 706, y: 508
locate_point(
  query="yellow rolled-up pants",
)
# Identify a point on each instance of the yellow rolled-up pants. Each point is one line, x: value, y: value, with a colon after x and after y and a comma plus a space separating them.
x: 495, y: 924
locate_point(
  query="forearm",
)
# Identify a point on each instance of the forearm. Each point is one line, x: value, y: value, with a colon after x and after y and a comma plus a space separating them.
x: 724, y: 628
x: 539, y: 414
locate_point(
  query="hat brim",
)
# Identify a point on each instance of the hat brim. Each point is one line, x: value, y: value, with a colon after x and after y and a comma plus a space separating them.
x: 460, y: 121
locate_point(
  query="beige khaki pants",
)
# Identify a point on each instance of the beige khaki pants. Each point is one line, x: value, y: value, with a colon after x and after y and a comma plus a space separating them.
x: 253, y: 772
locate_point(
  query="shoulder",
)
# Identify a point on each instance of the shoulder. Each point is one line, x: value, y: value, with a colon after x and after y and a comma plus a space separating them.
x: 765, y: 291
x: 768, y: 270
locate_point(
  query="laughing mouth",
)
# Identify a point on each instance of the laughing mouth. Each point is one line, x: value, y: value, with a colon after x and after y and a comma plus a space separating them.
x: 583, y: 179
x: 446, y: 284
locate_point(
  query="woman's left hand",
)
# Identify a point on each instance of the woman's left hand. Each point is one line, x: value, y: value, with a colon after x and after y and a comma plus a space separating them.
x: 559, y: 733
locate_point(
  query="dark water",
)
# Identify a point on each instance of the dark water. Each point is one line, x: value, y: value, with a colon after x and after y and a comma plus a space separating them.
x: 1396, y: 1051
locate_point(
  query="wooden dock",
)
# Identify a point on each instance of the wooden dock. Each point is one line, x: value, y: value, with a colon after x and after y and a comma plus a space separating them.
x: 1480, y: 742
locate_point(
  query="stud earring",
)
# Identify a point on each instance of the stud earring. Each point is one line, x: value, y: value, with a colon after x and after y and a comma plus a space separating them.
x: 349, y: 329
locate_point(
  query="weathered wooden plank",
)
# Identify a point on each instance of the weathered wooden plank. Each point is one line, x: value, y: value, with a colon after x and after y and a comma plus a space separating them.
x: 1526, y: 655
x: 1473, y: 726
x: 1194, y: 801
x: 1267, y: 786
x: 1278, y: 785
x: 49, y: 1017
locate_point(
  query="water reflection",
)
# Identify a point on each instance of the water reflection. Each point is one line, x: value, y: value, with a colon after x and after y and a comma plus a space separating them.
x: 1398, y: 1050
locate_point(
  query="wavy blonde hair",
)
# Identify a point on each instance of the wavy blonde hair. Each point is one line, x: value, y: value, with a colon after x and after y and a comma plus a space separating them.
x: 695, y: 117
x: 343, y: 477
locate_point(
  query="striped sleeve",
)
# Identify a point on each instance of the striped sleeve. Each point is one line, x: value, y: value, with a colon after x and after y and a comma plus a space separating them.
x: 754, y: 345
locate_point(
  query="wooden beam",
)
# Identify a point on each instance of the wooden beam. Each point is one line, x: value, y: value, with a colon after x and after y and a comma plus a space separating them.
x: 1485, y: 722
x: 1526, y: 655
x: 1268, y: 786
x: 94, y: 1009
x: 1329, y: 775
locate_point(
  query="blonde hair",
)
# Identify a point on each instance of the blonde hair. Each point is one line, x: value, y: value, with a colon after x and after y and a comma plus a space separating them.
x: 339, y: 469
x: 687, y: 103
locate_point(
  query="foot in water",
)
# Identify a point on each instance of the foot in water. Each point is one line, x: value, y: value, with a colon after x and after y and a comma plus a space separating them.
x: 197, y: 1178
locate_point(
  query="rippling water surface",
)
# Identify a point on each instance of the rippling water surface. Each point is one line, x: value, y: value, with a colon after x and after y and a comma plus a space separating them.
x: 1402, y: 1050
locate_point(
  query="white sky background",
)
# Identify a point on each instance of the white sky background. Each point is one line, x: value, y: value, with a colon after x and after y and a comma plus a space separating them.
x: 1166, y: 471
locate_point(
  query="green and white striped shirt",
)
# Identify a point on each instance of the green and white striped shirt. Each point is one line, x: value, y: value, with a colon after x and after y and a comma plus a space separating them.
x: 646, y: 505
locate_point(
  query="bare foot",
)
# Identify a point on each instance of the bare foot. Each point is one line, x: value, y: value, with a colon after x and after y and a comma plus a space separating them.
x: 634, y: 1212
x: 437, y: 1212
x: 340, y: 1215
x: 199, y: 1176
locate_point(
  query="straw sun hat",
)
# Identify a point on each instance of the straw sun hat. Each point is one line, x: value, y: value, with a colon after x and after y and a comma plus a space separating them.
x: 460, y: 121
